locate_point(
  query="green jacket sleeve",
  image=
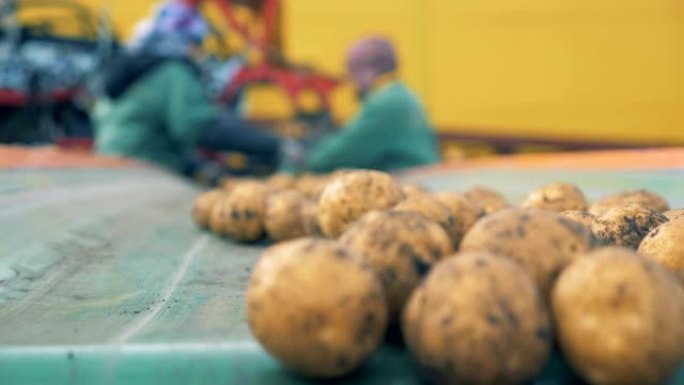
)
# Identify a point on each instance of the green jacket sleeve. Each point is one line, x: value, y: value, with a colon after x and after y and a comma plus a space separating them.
x: 355, y: 146
x: 189, y: 110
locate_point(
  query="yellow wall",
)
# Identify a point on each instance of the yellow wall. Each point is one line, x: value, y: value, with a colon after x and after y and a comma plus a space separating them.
x: 574, y: 69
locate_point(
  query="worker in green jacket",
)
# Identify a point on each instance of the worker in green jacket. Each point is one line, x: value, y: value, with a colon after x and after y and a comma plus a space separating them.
x: 154, y: 106
x: 391, y: 131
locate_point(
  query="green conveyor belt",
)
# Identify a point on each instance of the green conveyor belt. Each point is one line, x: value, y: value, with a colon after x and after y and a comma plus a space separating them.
x: 104, y: 279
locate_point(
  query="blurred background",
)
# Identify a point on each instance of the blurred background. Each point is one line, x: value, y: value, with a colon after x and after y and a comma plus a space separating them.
x: 496, y: 77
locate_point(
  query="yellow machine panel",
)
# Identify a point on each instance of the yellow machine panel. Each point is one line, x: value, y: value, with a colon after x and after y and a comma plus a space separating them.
x: 597, y: 71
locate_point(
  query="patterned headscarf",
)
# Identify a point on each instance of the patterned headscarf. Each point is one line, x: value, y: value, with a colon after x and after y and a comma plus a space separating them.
x: 175, y: 26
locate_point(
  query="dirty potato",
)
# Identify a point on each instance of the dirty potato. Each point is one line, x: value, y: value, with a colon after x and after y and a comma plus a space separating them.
x: 665, y: 245
x: 435, y: 210
x: 281, y: 181
x: 478, y: 319
x: 626, y: 225
x: 410, y: 190
x: 487, y: 199
x: 557, y: 197
x: 640, y: 197
x: 542, y: 241
x: 620, y: 318
x: 316, y: 307
x: 401, y: 247
x: 463, y: 210
x: 352, y: 195
x: 204, y: 204
x: 283, y: 220
x: 240, y: 214
x: 584, y: 217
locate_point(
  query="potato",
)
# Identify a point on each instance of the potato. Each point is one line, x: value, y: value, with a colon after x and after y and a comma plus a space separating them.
x: 283, y: 219
x: 229, y: 183
x: 401, y: 247
x: 240, y: 215
x: 311, y: 185
x: 351, y: 196
x: 487, y: 199
x: 664, y: 245
x: 557, y: 197
x: 464, y: 211
x: 309, y: 212
x: 674, y: 214
x: 620, y: 318
x: 640, y: 197
x: 542, y: 241
x: 412, y: 190
x: 281, y: 182
x: 435, y: 210
x: 626, y: 225
x: 584, y: 217
x: 478, y: 319
x: 201, y: 210
x: 316, y: 307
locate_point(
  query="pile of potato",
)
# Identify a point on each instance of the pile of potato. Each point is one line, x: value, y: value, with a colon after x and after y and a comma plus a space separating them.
x: 481, y: 290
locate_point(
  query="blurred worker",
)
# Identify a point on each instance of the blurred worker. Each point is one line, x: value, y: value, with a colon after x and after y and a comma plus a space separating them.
x: 390, y: 132
x: 155, y: 106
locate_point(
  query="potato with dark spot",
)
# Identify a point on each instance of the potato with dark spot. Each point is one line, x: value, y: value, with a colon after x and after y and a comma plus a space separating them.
x: 626, y: 225
x: 316, y: 307
x: 464, y: 211
x: 487, y: 199
x: 283, y: 220
x: 584, y: 217
x: 557, y: 197
x: 674, y: 214
x: 281, y: 182
x: 204, y: 204
x: 401, y: 247
x: 543, y: 242
x: 665, y: 245
x: 352, y: 195
x: 433, y: 209
x: 478, y: 319
x: 640, y: 197
x: 309, y: 213
x: 240, y: 214
x: 620, y: 318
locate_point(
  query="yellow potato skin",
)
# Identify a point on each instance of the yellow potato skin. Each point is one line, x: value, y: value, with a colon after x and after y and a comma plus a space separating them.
x: 639, y: 197
x: 240, y: 214
x: 620, y: 318
x: 463, y: 210
x: 203, y: 206
x: 557, y: 197
x: 401, y: 247
x: 352, y: 195
x: 542, y: 241
x: 283, y: 219
x: 433, y: 209
x: 487, y: 199
x: 674, y: 214
x: 316, y: 307
x: 478, y: 319
x: 665, y: 245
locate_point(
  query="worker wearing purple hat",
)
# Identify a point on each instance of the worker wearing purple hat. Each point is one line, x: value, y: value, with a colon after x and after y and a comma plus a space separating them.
x: 155, y: 107
x: 391, y: 131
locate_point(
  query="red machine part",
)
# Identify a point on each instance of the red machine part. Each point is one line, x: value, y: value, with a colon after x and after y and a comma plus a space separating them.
x: 12, y: 98
x: 292, y: 81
